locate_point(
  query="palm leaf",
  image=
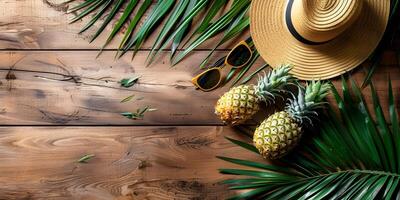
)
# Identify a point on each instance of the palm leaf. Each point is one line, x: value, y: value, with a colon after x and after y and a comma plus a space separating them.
x: 92, y: 6
x: 215, y: 28
x: 200, y: 5
x: 181, y: 34
x: 174, y: 30
x: 230, y: 75
x: 110, y: 16
x: 81, y: 6
x: 352, y: 157
x: 159, y: 11
x: 142, y: 10
x: 171, y: 22
x: 211, y: 13
x: 248, y: 78
x: 241, y: 23
x: 96, y: 17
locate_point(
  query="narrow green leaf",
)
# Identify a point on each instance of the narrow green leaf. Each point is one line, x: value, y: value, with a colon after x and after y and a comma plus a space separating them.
x: 393, y: 189
x: 236, y: 29
x: 395, y: 124
x: 159, y: 11
x: 385, y: 135
x: 372, y: 143
x: 127, y: 98
x: 110, y: 16
x: 178, y: 11
x: 143, y: 110
x: 271, y: 177
x: 359, y: 193
x: 134, y: 22
x: 247, y: 186
x: 354, y: 188
x: 372, y: 191
x: 325, y: 192
x: 181, y: 34
x: 216, y: 27
x: 346, y: 186
x: 211, y: 13
x: 230, y: 75
x: 251, y: 194
x: 140, y: 98
x: 244, y: 145
x: 272, y: 168
x: 375, y: 63
x: 129, y: 82
x: 291, y: 188
x: 197, y: 8
x: 321, y: 186
x: 96, y: 17
x: 86, y: 158
x: 82, y: 5
x: 130, y: 115
x: 92, y: 7
x: 244, y: 181
x: 125, y: 15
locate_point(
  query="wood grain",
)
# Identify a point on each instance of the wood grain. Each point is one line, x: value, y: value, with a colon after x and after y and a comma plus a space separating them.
x: 75, y: 88
x: 67, y: 88
x: 44, y: 24
x: 129, y: 163
x: 53, y: 81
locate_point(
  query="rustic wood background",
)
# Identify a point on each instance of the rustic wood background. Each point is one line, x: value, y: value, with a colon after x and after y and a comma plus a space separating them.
x: 48, y: 122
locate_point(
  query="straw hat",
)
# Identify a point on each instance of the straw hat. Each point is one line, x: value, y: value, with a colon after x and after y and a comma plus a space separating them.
x: 321, y: 38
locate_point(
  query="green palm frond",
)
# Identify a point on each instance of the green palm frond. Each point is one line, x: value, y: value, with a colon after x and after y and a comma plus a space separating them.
x: 216, y: 27
x: 177, y: 16
x: 354, y: 156
x: 240, y: 24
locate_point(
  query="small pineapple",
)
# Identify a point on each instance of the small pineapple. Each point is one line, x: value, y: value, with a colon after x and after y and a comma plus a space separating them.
x: 280, y: 133
x: 242, y: 102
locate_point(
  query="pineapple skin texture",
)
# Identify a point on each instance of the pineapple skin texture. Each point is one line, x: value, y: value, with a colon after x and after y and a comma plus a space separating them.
x: 238, y: 104
x: 277, y: 135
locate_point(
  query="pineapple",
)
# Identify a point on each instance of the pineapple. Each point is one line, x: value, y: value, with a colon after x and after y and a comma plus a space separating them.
x: 280, y: 133
x: 242, y: 102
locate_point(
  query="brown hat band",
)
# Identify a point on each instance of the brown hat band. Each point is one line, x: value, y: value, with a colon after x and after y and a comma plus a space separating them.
x: 319, y: 22
x: 292, y: 29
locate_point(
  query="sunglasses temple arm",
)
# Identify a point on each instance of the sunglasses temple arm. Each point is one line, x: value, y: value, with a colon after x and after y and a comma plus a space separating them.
x: 249, y: 42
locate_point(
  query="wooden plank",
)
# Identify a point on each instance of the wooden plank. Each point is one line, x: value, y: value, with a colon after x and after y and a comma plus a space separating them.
x: 44, y: 24
x: 73, y: 88
x: 129, y: 163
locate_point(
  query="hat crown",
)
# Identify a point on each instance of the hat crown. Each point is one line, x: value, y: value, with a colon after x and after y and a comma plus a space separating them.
x: 323, y: 20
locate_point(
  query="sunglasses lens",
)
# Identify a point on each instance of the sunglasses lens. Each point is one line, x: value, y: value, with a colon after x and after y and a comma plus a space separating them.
x: 209, y: 79
x: 239, y: 56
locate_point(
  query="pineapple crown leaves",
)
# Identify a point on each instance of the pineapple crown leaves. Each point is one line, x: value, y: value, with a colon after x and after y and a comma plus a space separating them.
x: 316, y: 91
x: 271, y: 85
x: 309, y: 99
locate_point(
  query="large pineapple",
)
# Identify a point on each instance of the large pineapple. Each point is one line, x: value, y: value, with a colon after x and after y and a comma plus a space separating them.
x: 278, y: 134
x: 242, y: 102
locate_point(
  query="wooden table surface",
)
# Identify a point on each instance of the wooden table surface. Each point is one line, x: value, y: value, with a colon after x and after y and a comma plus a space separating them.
x: 48, y: 123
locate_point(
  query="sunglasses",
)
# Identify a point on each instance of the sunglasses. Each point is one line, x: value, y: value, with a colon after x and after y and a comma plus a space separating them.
x: 237, y: 58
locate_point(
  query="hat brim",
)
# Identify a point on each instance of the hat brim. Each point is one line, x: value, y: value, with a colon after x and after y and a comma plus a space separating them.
x: 277, y: 45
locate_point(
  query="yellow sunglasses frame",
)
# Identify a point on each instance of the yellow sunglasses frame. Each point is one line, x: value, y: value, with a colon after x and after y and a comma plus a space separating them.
x: 247, y: 62
x: 196, y: 78
x: 219, y: 68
